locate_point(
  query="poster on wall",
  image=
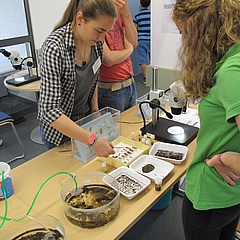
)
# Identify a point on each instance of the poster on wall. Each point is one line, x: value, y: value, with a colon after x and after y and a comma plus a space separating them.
x: 168, y: 26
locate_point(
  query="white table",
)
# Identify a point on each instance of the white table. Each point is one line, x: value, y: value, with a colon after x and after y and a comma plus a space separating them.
x: 29, y: 87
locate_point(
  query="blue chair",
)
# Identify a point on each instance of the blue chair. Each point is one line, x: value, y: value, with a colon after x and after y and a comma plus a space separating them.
x: 6, y: 119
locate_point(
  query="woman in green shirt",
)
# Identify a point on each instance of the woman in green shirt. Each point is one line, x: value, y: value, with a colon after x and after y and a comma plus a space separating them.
x: 210, y: 58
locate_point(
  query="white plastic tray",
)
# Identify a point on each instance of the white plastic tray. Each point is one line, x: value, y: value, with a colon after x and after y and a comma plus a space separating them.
x: 169, y: 147
x: 161, y: 168
x: 136, y: 179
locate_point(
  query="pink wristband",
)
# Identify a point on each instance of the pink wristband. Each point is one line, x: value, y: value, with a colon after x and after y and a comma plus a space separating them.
x: 219, y: 157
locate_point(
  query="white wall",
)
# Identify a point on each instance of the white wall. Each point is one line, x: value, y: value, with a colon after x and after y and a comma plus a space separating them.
x: 44, y: 15
x: 164, y: 45
x: 135, y: 7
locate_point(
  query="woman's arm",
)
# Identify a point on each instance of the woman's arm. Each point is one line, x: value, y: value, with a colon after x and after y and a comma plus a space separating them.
x: 227, y: 164
x: 116, y: 56
x: 231, y: 160
x: 69, y: 128
x: 94, y: 102
x: 130, y: 29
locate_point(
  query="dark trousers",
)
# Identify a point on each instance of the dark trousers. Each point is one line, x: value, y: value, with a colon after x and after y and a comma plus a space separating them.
x: 214, y: 224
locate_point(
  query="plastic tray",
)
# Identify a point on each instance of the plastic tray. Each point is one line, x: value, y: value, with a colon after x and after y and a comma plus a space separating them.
x: 169, y: 147
x: 161, y: 168
x: 136, y: 180
x: 121, y: 143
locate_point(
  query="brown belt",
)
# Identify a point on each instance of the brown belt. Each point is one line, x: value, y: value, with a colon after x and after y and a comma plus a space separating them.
x: 114, y: 86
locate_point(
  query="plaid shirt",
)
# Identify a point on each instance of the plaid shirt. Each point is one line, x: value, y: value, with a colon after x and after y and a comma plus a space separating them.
x: 58, y: 79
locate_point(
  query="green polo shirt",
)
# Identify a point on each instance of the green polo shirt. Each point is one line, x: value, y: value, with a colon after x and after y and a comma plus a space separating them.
x: 218, y: 133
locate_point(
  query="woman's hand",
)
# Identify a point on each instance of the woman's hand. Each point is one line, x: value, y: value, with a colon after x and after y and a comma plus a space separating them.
x: 122, y: 6
x: 103, y: 148
x: 227, y: 173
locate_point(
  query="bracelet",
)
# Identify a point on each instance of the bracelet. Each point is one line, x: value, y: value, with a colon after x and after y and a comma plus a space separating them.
x: 95, y: 141
x: 92, y: 139
x: 219, y: 158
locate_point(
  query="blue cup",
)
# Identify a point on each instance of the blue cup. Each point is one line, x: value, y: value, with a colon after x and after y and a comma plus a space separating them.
x: 5, y: 171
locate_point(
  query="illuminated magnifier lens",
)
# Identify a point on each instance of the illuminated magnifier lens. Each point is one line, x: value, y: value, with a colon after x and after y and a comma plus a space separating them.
x: 175, y: 130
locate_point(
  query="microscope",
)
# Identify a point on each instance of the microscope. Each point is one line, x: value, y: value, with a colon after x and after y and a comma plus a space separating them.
x: 19, y: 63
x: 167, y: 130
x: 14, y: 58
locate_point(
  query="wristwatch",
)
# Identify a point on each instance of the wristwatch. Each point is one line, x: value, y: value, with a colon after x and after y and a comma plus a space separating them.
x: 92, y: 139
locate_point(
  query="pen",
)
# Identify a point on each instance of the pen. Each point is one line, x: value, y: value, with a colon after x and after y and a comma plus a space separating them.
x: 64, y: 152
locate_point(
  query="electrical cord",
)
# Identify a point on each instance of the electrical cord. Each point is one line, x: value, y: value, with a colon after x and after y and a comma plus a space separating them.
x: 153, y: 104
x: 128, y: 122
x: 4, y: 218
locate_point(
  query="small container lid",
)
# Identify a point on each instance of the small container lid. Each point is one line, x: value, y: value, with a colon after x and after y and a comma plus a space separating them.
x: 104, y: 164
x: 147, y: 142
x: 158, y: 180
x: 4, y: 167
x: 152, y: 136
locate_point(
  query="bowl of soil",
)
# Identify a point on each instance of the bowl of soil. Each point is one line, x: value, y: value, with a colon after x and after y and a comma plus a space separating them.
x: 36, y: 226
x: 94, y: 202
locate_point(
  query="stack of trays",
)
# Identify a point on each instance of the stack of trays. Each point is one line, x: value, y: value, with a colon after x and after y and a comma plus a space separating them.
x: 136, y: 169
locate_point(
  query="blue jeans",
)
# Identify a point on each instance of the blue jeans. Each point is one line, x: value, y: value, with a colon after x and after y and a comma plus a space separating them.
x: 121, y: 99
x: 48, y: 145
x: 213, y: 224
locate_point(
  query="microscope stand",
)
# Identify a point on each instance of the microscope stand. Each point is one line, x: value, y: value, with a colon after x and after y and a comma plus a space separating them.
x: 161, y: 133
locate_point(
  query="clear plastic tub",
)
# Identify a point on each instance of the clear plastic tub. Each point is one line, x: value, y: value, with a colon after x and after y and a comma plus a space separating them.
x: 106, y: 123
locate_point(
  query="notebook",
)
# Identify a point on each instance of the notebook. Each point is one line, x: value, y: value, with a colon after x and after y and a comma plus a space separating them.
x: 21, y: 80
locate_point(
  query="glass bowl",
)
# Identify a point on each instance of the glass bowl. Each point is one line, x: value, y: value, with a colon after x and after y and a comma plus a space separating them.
x: 94, y: 202
x: 36, y: 226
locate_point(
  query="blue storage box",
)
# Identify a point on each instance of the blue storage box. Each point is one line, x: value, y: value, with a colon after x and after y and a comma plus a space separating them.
x: 164, y: 201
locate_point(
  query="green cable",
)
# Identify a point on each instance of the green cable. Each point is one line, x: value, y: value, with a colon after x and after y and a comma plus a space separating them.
x: 6, y: 202
x: 35, y: 198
